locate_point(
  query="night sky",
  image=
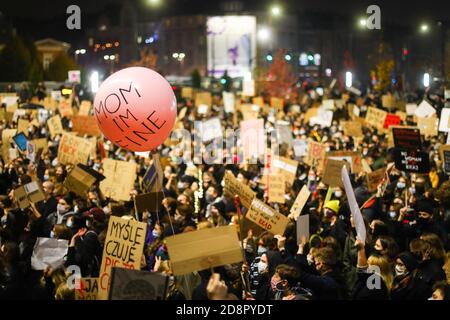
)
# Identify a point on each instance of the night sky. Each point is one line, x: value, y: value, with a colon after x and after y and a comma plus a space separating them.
x: 42, y: 18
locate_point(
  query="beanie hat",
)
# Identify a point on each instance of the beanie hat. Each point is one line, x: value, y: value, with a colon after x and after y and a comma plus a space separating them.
x: 409, y: 261
x: 333, y: 205
x: 424, y: 206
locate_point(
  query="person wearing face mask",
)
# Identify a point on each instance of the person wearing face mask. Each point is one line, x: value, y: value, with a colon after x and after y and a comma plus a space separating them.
x: 49, y: 204
x: 284, y: 284
x: 332, y: 225
x: 266, y: 266
x: 406, y: 285
x: 212, y: 196
x: 386, y: 246
x: 63, y: 211
x: 425, y: 222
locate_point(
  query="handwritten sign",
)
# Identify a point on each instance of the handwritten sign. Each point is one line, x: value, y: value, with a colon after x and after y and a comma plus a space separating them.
x: 55, y: 126
x: 391, y: 120
x: 374, y: 178
x: 73, y: 150
x: 376, y: 117
x: 88, y: 289
x: 332, y: 173
x: 316, y: 155
x: 352, y: 129
x: 406, y: 138
x: 411, y: 161
x: 120, y: 177
x: 425, y: 109
x: 428, y: 126
x: 300, y: 201
x: 276, y: 188
x: 65, y: 108
x: 234, y: 187
x: 85, y: 125
x: 124, y: 246
x: 85, y: 108
x: 266, y: 217
x: 203, y: 249
x: 287, y: 167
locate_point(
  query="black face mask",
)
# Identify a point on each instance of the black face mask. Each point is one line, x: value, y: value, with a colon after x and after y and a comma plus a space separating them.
x: 423, y: 220
x: 419, y: 189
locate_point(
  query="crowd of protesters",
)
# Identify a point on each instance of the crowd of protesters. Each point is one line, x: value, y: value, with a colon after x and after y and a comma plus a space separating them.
x: 405, y: 255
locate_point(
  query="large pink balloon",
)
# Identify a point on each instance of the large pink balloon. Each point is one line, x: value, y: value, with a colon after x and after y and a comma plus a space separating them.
x: 136, y: 109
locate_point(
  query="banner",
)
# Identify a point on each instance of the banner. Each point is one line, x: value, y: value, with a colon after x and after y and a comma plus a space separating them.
x: 300, y: 202
x: 412, y: 161
x: 88, y: 289
x: 85, y: 125
x: 124, y: 246
x: 234, y: 187
x: 253, y: 138
x: 267, y: 218
x: 73, y: 150
x: 203, y: 249
x: 120, y: 177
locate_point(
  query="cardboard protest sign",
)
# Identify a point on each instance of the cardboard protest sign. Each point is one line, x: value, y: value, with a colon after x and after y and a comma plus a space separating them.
x: 354, y: 207
x: 444, y: 120
x: 277, y: 103
x: 120, y: 177
x: 428, y: 126
x: 276, y: 188
x: 376, y: 117
x: 316, y: 155
x: 253, y: 138
x: 445, y: 158
x: 352, y: 129
x: 391, y: 120
x: 88, y: 289
x: 7, y: 136
x: 406, y: 138
x: 302, y: 228
x: 49, y: 103
x: 228, y: 101
x: 287, y: 167
x: 332, y: 174
x: 124, y: 246
x: 49, y: 253
x: 310, y: 113
x: 85, y: 125
x: 187, y: 93
x: 65, y: 108
x: 30, y: 192
x: 266, y: 217
x: 203, y: 98
x: 73, y: 150
x: 248, y: 88
x: 22, y: 126
x: 424, y: 109
x: 55, y: 126
x: 353, y: 158
x: 85, y: 108
x: 41, y: 144
x: 203, y: 249
x: 9, y: 99
x: 259, y: 101
x: 81, y: 178
x: 411, y: 109
x: 210, y: 129
x: 412, y: 161
x: 151, y: 202
x: 328, y: 104
x: 374, y: 178
x: 300, y: 201
x: 18, y: 113
x: 234, y: 187
x: 387, y: 101
x: 137, y: 285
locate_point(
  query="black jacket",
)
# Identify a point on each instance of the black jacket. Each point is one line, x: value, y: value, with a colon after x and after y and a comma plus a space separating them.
x: 362, y: 291
x: 430, y: 271
x: 324, y: 287
x: 410, y: 287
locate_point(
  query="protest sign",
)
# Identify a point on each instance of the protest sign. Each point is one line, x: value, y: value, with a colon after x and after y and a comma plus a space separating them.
x: 365, y: 166
x: 88, y: 289
x: 22, y: 126
x: 284, y: 132
x: 300, y: 202
x: 203, y: 98
x: 287, y: 167
x: 332, y: 174
x: 124, y: 246
x: 444, y: 120
x: 259, y: 101
x: 352, y: 128
x: 248, y: 88
x: 374, y: 178
x: 411, y: 109
x: 209, y: 130
x: 55, y: 126
x: 249, y: 111
x: 7, y: 136
x: 85, y: 125
x: 353, y: 158
x: 266, y: 217
x: 316, y: 155
x: 387, y: 101
x: 151, y: 202
x: 187, y: 93
x: 391, y: 120
x: 65, y: 108
x: 49, y: 103
x: 310, y: 113
x: 41, y: 144
x: 119, y: 181
x: 85, y: 108
x: 30, y: 192
x: 9, y: 99
x: 276, y: 188
x: 203, y: 249
x: 49, y: 253
x: 324, y: 118
x: 42, y: 116
x: 300, y: 148
x: 428, y: 126
x: 411, y: 161
x: 406, y: 138
x: 424, y: 109
x: 73, y: 150
x: 376, y: 117
x: 253, y: 138
x: 18, y: 113
x: 137, y: 285
x: 445, y: 158
x: 328, y: 104
x: 81, y: 178
x: 31, y: 151
x: 302, y: 228
x: 277, y: 103
x: 354, y: 207
x: 228, y: 101
x: 234, y: 187
x: 11, y: 108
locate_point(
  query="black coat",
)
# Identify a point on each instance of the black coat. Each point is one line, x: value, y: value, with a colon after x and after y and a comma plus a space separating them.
x: 410, y: 287
x: 362, y: 291
x: 324, y: 287
x: 430, y: 271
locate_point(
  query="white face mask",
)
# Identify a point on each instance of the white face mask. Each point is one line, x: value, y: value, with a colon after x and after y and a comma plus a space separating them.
x: 338, y: 194
x: 262, y: 267
x: 69, y: 223
x: 400, y: 271
x: 61, y: 209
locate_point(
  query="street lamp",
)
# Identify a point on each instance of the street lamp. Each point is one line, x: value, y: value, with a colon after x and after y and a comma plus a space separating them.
x: 348, y: 79
x: 275, y: 11
x: 426, y: 79
x: 106, y: 57
x: 362, y: 22
x: 153, y: 2
x: 264, y: 34
x: 424, y: 28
